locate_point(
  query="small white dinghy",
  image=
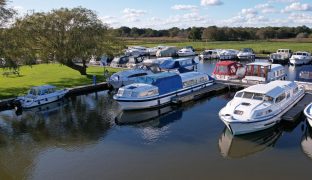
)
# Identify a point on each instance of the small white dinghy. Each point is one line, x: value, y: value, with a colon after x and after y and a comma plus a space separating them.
x: 308, y: 113
x: 40, y: 95
x: 260, y: 106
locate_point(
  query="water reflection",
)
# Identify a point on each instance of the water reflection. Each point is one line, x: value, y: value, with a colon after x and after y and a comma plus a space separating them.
x: 241, y: 146
x: 306, y: 142
x: 76, y: 124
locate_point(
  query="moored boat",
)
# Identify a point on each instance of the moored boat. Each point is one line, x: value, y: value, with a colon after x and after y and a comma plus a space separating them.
x: 186, y: 52
x: 209, y: 54
x: 308, y: 113
x: 281, y: 56
x: 300, y: 58
x: 263, y: 72
x: 228, y: 70
x: 40, y: 95
x: 260, y: 106
x: 246, y: 54
x: 158, y: 89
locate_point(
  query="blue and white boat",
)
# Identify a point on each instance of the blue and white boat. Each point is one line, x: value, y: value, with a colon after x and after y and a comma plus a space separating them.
x: 308, y: 113
x: 40, y: 95
x: 260, y: 106
x: 180, y: 65
x: 158, y: 89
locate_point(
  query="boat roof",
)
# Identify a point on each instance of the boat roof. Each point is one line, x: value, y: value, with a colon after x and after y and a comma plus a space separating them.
x: 191, y: 75
x: 265, y: 64
x: 226, y: 63
x: 273, y: 89
x: 159, y: 75
x: 47, y: 86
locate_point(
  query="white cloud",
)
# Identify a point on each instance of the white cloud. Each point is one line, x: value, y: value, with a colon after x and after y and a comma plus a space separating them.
x: 300, y: 19
x: 266, y: 8
x: 249, y: 13
x: 297, y: 6
x: 211, y: 2
x: 132, y: 15
x: 184, y: 7
x: 181, y: 21
x: 110, y: 20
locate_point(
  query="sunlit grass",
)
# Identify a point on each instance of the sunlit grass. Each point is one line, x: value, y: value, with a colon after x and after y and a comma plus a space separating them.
x: 54, y: 74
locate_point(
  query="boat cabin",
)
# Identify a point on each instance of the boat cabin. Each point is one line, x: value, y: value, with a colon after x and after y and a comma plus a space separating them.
x: 263, y: 72
x: 227, y: 70
x: 42, y: 90
x: 120, y: 61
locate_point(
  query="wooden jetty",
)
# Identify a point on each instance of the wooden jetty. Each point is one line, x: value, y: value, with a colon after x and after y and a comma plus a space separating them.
x: 207, y: 91
x: 79, y: 90
x: 294, y: 113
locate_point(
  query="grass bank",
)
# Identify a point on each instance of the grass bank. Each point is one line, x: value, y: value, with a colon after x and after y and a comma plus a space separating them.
x: 260, y: 47
x: 54, y: 74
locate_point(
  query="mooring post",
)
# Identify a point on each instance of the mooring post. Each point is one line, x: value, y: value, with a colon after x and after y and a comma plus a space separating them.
x: 94, y: 79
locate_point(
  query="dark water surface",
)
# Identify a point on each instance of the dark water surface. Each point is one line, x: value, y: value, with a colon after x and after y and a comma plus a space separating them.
x: 88, y: 137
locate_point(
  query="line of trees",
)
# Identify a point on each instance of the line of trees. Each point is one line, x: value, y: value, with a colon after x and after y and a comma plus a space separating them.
x: 214, y: 33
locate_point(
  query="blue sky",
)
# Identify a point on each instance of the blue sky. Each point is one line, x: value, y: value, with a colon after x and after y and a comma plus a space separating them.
x: 162, y: 14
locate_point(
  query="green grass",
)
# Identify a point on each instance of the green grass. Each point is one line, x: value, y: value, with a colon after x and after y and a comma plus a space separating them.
x: 54, y: 74
x: 260, y: 47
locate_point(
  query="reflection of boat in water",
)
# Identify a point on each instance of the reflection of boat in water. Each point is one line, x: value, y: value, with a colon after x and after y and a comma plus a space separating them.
x: 306, y: 142
x: 245, y: 145
x: 164, y: 115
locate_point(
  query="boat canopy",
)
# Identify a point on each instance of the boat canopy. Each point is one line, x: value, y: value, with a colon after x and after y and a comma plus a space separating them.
x: 177, y: 63
x: 165, y: 81
x: 304, y: 74
x: 226, y: 68
x: 40, y: 90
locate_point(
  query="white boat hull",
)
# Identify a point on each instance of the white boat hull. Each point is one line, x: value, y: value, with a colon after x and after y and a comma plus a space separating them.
x: 156, y: 101
x: 238, y: 127
x: 41, y: 100
x: 299, y: 61
x: 186, y: 54
x: 307, y: 112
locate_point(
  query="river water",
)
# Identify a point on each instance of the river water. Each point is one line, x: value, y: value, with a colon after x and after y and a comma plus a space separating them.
x: 89, y: 137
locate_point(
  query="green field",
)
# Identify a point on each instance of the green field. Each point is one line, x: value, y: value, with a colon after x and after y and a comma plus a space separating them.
x: 54, y: 74
x: 260, y: 47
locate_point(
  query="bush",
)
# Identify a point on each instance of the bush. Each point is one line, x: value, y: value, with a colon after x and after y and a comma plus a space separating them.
x: 302, y: 35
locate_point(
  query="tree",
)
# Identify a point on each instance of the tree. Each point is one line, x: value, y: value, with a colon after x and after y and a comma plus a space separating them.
x: 5, y: 12
x: 67, y: 35
x: 195, y: 34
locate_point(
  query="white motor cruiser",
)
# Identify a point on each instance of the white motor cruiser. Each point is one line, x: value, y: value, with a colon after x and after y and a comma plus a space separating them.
x: 300, y: 57
x: 158, y: 89
x: 228, y: 54
x: 246, y: 54
x: 209, y: 54
x: 136, y: 51
x: 281, y: 56
x: 186, y: 52
x: 260, y: 106
x: 308, y: 113
x: 40, y: 95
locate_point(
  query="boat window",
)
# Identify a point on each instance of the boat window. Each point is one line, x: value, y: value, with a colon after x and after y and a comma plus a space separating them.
x: 239, y: 94
x: 268, y: 99
x: 247, y: 95
x: 280, y: 98
x: 295, y: 90
x: 233, y: 69
x: 288, y: 95
x: 189, y: 83
x: 223, y: 69
x: 203, y: 79
x: 137, y: 75
x: 258, y: 96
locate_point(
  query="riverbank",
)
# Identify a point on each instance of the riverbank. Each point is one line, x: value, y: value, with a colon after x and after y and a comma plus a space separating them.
x: 260, y: 47
x: 54, y: 74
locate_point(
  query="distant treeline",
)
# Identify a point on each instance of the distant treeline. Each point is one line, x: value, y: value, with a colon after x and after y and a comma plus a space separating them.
x: 214, y: 33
